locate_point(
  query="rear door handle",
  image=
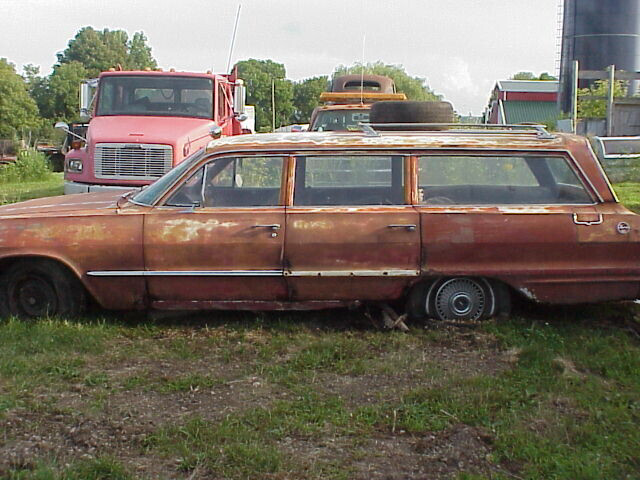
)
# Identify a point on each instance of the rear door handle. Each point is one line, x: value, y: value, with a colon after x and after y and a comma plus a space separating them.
x: 272, y: 226
x: 410, y: 227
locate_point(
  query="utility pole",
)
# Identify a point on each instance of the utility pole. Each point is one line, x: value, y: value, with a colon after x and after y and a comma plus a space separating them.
x: 273, y: 105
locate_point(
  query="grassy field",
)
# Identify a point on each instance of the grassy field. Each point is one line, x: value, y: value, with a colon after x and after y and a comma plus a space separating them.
x: 17, y: 192
x: 550, y: 393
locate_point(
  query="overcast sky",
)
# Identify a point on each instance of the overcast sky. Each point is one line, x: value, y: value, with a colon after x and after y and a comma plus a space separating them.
x: 461, y: 47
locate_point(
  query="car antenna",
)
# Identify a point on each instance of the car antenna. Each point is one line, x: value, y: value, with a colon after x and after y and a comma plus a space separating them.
x: 233, y: 37
x: 364, y: 38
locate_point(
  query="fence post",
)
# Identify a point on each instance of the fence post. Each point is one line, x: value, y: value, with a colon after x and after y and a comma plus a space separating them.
x: 610, y: 99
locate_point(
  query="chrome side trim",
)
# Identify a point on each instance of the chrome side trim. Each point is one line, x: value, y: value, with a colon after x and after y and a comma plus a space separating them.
x: 254, y: 273
x: 186, y: 273
x: 352, y: 273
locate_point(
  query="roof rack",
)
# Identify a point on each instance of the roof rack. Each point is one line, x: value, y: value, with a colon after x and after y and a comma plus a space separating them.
x: 373, y: 129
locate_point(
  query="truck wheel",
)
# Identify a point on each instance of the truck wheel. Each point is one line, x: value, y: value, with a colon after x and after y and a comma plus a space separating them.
x: 411, y: 112
x: 33, y: 289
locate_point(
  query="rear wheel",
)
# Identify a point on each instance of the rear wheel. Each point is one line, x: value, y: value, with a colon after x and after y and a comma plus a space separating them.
x: 459, y: 299
x: 33, y: 289
x: 462, y: 299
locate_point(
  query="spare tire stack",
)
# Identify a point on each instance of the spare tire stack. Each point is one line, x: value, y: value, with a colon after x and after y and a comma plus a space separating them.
x: 411, y: 112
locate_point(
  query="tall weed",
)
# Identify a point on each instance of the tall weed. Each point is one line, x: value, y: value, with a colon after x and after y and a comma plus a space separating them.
x: 30, y: 165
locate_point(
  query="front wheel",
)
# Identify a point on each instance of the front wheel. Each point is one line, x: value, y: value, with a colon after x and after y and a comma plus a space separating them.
x: 33, y: 289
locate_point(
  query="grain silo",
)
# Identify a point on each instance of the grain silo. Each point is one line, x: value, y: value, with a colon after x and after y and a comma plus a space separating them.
x: 598, y: 33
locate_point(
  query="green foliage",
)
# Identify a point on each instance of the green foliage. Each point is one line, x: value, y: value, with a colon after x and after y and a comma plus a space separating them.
x: 598, y: 108
x: 29, y: 165
x: 98, y: 51
x: 306, y: 97
x: 415, y: 88
x: 62, y: 92
x: 18, y: 111
x: 259, y: 75
x: 544, y: 76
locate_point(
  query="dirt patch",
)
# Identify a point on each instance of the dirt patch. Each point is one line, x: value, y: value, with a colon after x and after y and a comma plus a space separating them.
x: 437, y: 455
x: 115, y: 416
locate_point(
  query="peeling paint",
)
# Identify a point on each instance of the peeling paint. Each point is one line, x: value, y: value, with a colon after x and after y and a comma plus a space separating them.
x: 185, y: 230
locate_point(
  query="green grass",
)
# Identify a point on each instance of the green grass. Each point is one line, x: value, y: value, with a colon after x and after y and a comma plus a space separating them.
x: 629, y: 194
x: 20, y: 191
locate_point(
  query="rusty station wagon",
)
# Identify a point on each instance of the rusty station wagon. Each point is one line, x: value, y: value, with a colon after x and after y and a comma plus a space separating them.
x: 448, y: 224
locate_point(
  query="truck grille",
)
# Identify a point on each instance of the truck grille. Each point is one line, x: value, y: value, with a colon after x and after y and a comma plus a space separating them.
x: 128, y: 161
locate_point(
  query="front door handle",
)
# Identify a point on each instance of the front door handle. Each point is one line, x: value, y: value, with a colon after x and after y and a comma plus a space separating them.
x: 272, y: 226
x: 410, y: 227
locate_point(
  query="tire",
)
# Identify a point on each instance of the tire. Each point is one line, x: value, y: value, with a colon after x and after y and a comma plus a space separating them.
x: 462, y: 299
x: 416, y: 307
x: 32, y: 289
x: 411, y: 112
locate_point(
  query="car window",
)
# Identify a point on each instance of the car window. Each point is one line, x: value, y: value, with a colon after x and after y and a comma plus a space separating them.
x: 349, y: 180
x: 486, y: 180
x: 190, y: 192
x: 243, y: 182
x: 339, y: 120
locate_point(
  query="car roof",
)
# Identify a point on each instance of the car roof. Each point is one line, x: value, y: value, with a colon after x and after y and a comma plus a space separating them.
x: 475, y: 139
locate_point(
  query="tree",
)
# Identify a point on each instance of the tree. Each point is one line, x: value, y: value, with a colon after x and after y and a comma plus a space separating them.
x: 544, y: 76
x: 63, y: 91
x: 259, y: 76
x: 98, y: 51
x: 18, y: 110
x: 140, y: 53
x: 415, y: 88
x: 597, y: 108
x: 306, y: 97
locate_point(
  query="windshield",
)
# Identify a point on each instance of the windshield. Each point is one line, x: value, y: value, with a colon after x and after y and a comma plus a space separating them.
x: 155, y: 95
x: 149, y: 195
x: 339, y: 120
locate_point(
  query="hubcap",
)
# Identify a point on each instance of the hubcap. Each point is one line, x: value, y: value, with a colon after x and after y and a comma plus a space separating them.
x: 460, y: 299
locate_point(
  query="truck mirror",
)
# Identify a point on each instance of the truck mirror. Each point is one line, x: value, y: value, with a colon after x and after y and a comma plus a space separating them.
x: 215, y: 131
x: 85, y: 101
x: 61, y: 126
x: 239, y: 96
x: 242, y: 117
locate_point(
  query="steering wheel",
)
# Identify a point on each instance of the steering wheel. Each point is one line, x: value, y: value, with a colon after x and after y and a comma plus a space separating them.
x: 438, y: 201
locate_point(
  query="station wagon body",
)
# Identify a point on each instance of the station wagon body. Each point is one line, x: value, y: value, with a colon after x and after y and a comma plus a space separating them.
x: 452, y: 222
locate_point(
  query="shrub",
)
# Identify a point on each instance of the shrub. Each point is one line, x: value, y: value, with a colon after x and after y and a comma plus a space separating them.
x: 30, y: 165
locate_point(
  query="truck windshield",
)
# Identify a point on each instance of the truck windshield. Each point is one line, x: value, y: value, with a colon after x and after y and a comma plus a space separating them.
x: 155, y: 96
x: 339, y: 120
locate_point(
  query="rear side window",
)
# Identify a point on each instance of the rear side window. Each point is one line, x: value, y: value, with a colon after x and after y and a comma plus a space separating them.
x: 349, y: 180
x: 486, y: 180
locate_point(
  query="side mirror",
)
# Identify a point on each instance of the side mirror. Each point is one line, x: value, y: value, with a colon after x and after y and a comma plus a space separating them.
x: 239, y: 97
x: 215, y: 131
x: 62, y: 126
x: 242, y: 117
x: 85, y: 101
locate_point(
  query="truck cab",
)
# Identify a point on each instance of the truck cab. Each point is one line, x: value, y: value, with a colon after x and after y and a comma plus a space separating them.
x: 349, y: 100
x: 143, y: 123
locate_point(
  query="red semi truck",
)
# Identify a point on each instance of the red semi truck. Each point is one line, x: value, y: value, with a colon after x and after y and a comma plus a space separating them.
x: 143, y: 123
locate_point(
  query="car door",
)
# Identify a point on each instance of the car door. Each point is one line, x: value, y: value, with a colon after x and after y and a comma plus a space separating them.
x: 520, y: 218
x: 351, y: 234
x: 219, y: 237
